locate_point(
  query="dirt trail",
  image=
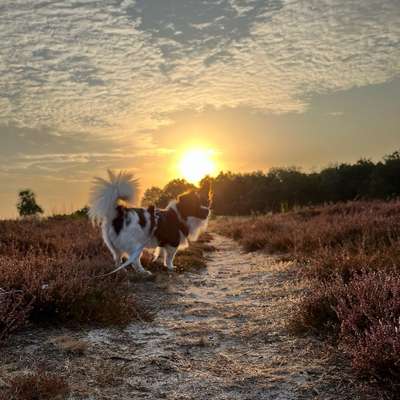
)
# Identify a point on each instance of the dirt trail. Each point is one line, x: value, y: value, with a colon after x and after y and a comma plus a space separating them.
x: 219, y: 334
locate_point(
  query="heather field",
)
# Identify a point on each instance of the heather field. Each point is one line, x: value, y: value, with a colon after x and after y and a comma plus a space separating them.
x: 202, y: 333
x: 307, y: 306
x: 49, y: 274
x: 349, y: 253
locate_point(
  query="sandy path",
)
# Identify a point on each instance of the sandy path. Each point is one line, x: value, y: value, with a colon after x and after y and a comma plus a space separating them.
x: 219, y: 334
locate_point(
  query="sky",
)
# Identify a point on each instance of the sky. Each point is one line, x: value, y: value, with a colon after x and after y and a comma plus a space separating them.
x: 132, y: 84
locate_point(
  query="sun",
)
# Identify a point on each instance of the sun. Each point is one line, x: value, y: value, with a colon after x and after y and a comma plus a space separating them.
x: 195, y: 164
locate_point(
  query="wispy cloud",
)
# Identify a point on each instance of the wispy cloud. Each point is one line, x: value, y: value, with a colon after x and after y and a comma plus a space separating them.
x: 107, y: 65
x: 44, y: 154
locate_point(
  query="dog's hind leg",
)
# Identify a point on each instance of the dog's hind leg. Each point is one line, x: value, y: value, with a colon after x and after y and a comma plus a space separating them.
x: 116, y: 256
x: 132, y: 260
x: 115, y: 253
x: 137, y: 265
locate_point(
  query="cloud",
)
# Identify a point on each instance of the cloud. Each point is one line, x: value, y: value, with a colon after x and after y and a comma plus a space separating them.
x: 47, y: 154
x: 121, y: 65
x: 83, y: 85
x: 70, y: 64
x: 242, y: 7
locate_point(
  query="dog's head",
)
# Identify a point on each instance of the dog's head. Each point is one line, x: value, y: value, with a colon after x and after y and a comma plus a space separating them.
x: 190, y: 205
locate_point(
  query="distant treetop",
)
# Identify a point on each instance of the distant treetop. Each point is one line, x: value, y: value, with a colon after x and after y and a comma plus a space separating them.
x: 27, y: 205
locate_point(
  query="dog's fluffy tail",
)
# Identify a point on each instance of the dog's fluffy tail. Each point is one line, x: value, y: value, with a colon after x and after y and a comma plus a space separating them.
x: 105, y: 195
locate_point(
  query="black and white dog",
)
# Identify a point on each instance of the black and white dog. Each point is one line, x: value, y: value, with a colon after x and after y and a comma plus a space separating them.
x: 127, y: 231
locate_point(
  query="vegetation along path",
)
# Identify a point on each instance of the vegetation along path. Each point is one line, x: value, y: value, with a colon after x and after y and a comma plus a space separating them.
x: 218, y: 334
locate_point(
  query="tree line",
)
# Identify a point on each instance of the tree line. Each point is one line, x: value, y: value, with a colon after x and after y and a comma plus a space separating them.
x: 281, y: 189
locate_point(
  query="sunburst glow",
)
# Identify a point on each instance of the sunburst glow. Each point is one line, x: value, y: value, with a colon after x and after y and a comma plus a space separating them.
x: 195, y: 164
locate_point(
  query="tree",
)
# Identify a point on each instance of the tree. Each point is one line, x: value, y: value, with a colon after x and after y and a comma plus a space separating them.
x: 81, y: 213
x: 152, y: 196
x: 172, y: 190
x: 27, y: 205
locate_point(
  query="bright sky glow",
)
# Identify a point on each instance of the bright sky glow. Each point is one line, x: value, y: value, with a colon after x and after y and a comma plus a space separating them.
x: 196, y: 164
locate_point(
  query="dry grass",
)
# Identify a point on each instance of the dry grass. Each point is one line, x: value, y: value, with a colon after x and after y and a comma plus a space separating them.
x: 40, y: 385
x: 351, y: 254
x: 70, y: 345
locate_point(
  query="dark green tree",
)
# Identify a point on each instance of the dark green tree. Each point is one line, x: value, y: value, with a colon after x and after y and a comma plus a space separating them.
x: 385, y: 178
x: 27, y: 205
x: 172, y: 190
x: 81, y: 213
x: 152, y: 196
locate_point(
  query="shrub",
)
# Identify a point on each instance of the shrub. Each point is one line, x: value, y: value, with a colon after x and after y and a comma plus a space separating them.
x: 377, y: 353
x: 316, y: 312
x: 369, y: 299
x: 369, y: 312
x: 14, y: 311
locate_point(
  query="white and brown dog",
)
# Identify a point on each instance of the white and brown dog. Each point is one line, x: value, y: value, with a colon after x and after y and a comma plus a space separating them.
x: 128, y: 231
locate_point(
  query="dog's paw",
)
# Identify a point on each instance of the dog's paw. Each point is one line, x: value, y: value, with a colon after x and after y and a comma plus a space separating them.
x: 146, y: 272
x: 145, y: 275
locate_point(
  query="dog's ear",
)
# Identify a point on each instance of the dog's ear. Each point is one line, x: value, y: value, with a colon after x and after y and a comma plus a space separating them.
x: 188, y: 204
x: 187, y: 196
x: 187, y: 199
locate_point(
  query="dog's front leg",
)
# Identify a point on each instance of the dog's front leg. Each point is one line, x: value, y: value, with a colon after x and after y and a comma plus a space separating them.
x: 164, y: 256
x: 170, y: 254
x: 156, y: 254
x: 160, y: 251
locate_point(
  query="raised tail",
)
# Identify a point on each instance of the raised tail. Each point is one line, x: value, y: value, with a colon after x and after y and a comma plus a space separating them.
x: 106, y: 194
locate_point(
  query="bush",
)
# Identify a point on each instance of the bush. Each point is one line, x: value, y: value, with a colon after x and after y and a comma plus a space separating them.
x: 316, y: 312
x: 14, y: 311
x: 377, y: 354
x: 369, y: 311
x: 369, y: 299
